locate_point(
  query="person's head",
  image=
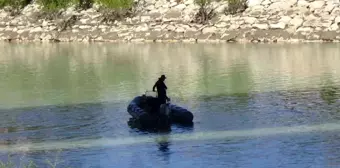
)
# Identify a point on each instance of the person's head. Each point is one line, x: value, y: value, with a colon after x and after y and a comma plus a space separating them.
x: 162, y: 78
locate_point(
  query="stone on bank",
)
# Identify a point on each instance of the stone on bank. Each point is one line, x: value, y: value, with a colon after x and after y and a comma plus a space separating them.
x: 162, y: 20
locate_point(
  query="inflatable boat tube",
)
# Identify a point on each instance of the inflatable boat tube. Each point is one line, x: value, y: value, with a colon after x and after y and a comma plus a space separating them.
x: 134, y: 108
x: 180, y: 115
x: 176, y: 113
x: 144, y: 118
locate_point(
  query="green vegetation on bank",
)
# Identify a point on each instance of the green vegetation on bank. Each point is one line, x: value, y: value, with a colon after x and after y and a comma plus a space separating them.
x: 54, y: 5
x: 116, y: 4
x: 14, y: 3
x: 85, y: 4
x: 205, y: 13
x: 236, y: 6
x: 116, y: 9
x: 112, y: 9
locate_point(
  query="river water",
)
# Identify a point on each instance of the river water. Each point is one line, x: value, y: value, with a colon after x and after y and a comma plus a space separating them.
x: 254, y: 105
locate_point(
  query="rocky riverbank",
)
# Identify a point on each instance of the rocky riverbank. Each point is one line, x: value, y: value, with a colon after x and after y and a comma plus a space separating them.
x: 162, y: 20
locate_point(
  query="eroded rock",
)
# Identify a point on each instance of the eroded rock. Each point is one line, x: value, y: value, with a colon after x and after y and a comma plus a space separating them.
x: 162, y: 20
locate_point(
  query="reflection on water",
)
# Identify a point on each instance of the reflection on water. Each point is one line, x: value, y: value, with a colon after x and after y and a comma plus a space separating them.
x: 75, y: 73
x: 57, y: 92
x: 329, y: 91
x: 163, y: 146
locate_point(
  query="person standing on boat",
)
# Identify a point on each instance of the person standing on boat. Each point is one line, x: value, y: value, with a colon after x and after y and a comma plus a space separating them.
x: 161, y: 90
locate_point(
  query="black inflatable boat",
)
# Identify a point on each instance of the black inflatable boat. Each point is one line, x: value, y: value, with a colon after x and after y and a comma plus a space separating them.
x: 146, y: 112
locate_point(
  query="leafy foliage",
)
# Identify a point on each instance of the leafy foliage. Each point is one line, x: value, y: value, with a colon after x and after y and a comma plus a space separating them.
x: 204, y: 13
x: 85, y: 4
x: 15, y: 3
x: 116, y: 9
x: 116, y: 4
x: 15, y: 6
x: 55, y: 5
x: 236, y: 6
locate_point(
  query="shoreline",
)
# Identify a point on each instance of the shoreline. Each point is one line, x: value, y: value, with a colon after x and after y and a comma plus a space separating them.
x: 184, y: 41
x: 199, y: 41
x: 172, y: 41
x: 248, y: 36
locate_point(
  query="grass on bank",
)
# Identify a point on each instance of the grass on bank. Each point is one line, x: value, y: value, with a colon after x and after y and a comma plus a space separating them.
x: 111, y: 9
x: 52, y: 5
x: 15, y: 6
x: 14, y: 3
x: 206, y: 13
x: 118, y: 9
x: 236, y: 6
x: 115, y: 4
x: 55, y: 5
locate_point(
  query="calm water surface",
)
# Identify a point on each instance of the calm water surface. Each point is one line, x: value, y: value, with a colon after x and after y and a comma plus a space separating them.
x: 54, y: 97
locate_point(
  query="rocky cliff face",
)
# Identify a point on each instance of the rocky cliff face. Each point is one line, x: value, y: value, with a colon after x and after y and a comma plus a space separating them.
x: 162, y: 20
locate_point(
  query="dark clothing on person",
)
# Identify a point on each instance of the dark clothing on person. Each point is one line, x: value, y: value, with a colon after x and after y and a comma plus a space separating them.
x: 161, y: 87
x: 161, y: 91
x: 162, y: 99
x: 153, y: 104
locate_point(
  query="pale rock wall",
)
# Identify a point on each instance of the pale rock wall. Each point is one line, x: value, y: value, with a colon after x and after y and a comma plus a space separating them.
x: 162, y: 20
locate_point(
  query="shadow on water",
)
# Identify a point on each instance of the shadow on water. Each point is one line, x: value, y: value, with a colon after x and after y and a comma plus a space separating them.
x: 163, y: 144
x: 187, y: 127
x: 163, y: 137
x: 163, y: 140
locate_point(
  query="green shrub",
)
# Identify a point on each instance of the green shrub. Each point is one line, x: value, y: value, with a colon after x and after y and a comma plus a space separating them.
x: 18, y: 4
x: 116, y: 4
x: 3, y: 3
x: 116, y: 9
x: 204, y: 13
x: 236, y: 6
x: 85, y: 4
x: 52, y: 9
x: 55, y: 5
x: 203, y: 3
x: 15, y: 6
